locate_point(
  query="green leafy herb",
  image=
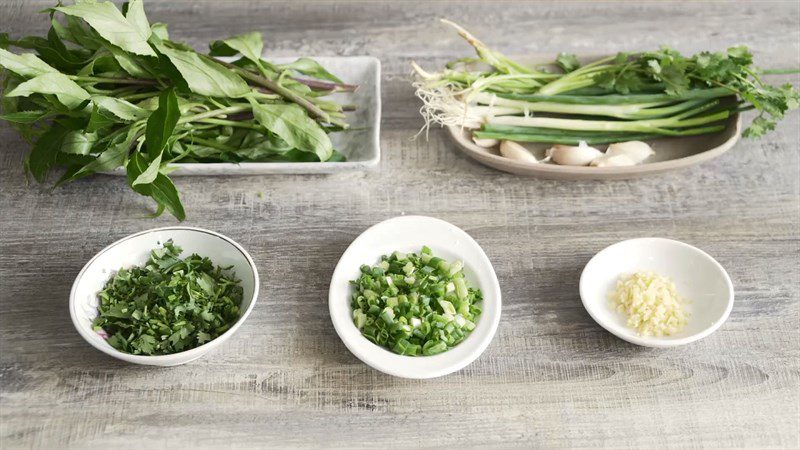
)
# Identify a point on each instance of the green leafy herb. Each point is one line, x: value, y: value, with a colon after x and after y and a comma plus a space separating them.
x: 205, y: 77
x: 567, y: 62
x: 169, y: 305
x: 78, y: 142
x: 108, y: 22
x: 24, y: 116
x: 161, y: 124
x: 121, y: 109
x: 25, y: 65
x: 415, y: 304
x: 311, y: 68
x: 67, y: 91
x: 45, y: 151
x: 249, y: 45
x: 105, y: 89
x: 295, y: 127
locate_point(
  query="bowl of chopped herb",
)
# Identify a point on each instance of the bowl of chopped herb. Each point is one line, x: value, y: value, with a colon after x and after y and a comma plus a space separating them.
x: 165, y: 296
x: 415, y: 297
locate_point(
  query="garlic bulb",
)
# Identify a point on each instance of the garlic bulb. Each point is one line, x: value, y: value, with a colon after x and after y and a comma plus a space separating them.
x: 637, y: 151
x: 512, y: 150
x: 485, y: 143
x: 613, y: 161
x: 580, y: 155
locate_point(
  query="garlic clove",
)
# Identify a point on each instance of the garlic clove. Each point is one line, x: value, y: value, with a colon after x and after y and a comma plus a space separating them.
x: 613, y: 161
x: 485, y: 143
x: 567, y: 155
x: 515, y: 151
x: 637, y: 151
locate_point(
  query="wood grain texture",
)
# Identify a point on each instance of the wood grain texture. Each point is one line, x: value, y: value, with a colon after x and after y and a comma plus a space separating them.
x: 551, y: 378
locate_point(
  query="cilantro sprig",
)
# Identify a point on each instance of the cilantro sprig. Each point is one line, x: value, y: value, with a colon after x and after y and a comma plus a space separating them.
x: 169, y: 305
x: 678, y: 75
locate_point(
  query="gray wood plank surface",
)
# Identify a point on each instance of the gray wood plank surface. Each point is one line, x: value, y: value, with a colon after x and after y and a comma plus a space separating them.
x: 551, y: 378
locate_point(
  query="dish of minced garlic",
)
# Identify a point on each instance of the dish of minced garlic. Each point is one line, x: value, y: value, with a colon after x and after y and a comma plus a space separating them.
x: 651, y: 303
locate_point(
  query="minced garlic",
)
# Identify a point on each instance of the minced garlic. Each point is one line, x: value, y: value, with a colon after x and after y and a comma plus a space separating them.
x: 651, y: 303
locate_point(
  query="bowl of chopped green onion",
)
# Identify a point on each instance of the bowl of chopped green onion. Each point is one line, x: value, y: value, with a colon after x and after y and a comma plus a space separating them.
x: 165, y: 296
x: 415, y: 297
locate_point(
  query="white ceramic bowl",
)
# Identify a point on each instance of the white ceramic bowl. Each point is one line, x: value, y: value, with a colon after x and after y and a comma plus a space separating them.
x: 698, y: 277
x: 135, y: 250
x: 410, y: 234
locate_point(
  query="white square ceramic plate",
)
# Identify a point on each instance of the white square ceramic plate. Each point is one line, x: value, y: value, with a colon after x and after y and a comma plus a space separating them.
x: 360, y: 145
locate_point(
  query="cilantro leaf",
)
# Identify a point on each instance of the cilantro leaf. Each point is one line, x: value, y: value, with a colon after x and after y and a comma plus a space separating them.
x: 567, y: 62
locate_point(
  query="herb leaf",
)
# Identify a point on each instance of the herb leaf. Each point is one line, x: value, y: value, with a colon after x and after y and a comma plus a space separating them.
x: 161, y: 123
x: 67, y: 91
x: 23, y: 116
x: 120, y: 108
x: 165, y: 193
x: 44, y: 152
x: 149, y: 174
x: 128, y: 62
x: 250, y: 45
x: 567, y: 62
x: 112, y: 157
x: 78, y: 142
x: 203, y: 76
x: 136, y: 16
x: 26, y: 65
x: 311, y: 68
x: 109, y: 23
x: 292, y: 124
x: 160, y: 189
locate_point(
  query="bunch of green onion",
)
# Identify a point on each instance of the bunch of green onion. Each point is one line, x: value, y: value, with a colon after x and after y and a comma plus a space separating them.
x: 614, y: 99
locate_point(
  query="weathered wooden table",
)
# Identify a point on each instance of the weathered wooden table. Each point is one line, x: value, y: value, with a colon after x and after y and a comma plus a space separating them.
x: 551, y: 378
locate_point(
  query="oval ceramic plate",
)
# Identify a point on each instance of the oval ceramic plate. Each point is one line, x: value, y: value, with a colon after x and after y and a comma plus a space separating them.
x: 671, y: 153
x: 410, y: 234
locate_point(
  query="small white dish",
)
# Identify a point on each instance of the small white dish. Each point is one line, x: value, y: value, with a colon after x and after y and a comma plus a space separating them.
x: 135, y: 250
x: 698, y: 277
x: 410, y: 234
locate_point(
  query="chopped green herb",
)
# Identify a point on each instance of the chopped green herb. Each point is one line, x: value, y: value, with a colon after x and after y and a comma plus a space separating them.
x: 415, y: 304
x: 168, y: 305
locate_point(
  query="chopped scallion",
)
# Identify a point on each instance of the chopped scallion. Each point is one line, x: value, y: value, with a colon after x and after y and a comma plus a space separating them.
x: 392, y: 303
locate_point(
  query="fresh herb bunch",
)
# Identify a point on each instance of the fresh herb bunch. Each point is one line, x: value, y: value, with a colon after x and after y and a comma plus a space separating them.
x: 105, y: 89
x: 630, y: 96
x: 168, y: 305
x: 415, y: 304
